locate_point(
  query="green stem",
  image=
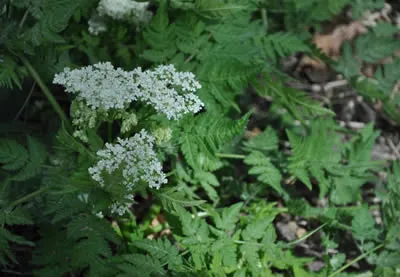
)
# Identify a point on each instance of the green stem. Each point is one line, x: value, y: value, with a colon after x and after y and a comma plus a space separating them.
x: 45, y: 90
x: 356, y: 260
x: 290, y: 244
x: 23, y: 19
x: 306, y: 236
x: 29, y: 196
x: 231, y: 156
x: 264, y: 18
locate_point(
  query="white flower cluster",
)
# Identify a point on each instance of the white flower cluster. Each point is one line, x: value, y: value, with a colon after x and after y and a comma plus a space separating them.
x: 102, y: 86
x: 136, y: 156
x: 97, y: 25
x: 125, y: 10
x: 136, y: 161
x: 158, y: 88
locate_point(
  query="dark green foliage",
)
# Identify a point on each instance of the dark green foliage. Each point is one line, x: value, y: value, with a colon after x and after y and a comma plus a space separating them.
x: 25, y: 163
x: 10, y: 73
x: 11, y: 217
x: 90, y: 238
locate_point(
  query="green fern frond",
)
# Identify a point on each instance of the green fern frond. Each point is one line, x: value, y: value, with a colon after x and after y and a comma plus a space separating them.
x: 162, y: 250
x: 10, y: 73
x: 10, y: 217
x: 138, y: 265
x: 265, y: 171
x: 172, y: 198
x: 13, y: 156
x: 250, y: 254
x: 15, y: 216
x: 226, y: 220
x: 298, y: 103
x: 371, y: 48
x: 37, y: 157
x: 27, y: 163
x: 91, y: 238
x: 204, y: 135
x: 265, y: 141
x: 318, y: 151
x: 160, y: 37
x: 387, y: 76
x: 302, y: 13
x: 194, y: 228
x: 6, y: 252
x: 281, y: 44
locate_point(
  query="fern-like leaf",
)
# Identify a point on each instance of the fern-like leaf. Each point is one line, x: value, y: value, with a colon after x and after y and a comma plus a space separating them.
x: 137, y: 265
x: 318, y: 151
x: 266, y: 172
x: 162, y: 250
x: 27, y: 163
x: 298, y: 103
x: 13, y: 156
x: 172, y: 198
x: 10, y: 217
x: 10, y: 73
x: 205, y: 135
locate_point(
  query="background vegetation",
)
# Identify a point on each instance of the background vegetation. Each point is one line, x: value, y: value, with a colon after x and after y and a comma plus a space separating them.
x: 288, y: 170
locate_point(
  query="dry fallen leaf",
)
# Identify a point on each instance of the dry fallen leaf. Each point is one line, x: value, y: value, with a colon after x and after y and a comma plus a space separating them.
x: 331, y: 43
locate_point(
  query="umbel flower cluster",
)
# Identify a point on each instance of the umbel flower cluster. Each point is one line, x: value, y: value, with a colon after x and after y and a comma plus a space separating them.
x: 135, y: 160
x: 101, y: 86
x: 125, y: 10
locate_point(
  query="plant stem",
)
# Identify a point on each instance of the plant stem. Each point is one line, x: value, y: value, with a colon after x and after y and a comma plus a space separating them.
x: 45, y: 90
x: 264, y: 18
x: 356, y: 260
x: 29, y: 196
x: 231, y: 156
x: 23, y: 19
x: 306, y: 236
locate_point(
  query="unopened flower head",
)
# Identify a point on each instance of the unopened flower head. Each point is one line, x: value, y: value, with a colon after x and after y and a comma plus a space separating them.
x: 102, y: 86
x: 134, y: 157
x: 125, y: 10
x: 162, y: 135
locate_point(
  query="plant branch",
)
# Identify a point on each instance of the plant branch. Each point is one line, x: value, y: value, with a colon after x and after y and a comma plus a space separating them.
x: 29, y: 196
x: 230, y: 156
x: 46, y: 91
x: 356, y: 260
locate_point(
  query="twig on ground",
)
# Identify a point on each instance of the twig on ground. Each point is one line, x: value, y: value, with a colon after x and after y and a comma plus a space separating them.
x: 393, y: 148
